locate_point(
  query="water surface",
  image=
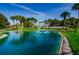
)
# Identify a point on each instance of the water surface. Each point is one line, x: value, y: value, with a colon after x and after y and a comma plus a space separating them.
x: 30, y: 43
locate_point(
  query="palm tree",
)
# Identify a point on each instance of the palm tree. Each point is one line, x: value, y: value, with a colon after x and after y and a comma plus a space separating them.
x: 76, y: 7
x: 73, y: 22
x: 65, y: 15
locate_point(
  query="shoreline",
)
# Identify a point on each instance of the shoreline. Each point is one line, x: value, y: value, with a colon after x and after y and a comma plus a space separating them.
x: 3, y: 36
x: 64, y: 47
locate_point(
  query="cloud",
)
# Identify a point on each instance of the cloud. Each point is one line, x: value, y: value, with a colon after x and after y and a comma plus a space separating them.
x: 38, y: 15
x: 26, y: 8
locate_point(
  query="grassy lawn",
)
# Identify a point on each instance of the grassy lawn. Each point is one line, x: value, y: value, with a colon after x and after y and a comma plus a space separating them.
x: 73, y: 39
x: 30, y: 29
x: 34, y: 29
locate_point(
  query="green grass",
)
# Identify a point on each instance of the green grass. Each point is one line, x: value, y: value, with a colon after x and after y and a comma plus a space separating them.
x: 73, y: 39
x: 34, y: 29
x: 30, y: 29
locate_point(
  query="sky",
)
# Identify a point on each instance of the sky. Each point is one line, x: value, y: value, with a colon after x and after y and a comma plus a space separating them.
x: 41, y: 11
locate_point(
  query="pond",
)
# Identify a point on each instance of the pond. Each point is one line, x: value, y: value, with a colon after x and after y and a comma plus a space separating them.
x: 30, y: 43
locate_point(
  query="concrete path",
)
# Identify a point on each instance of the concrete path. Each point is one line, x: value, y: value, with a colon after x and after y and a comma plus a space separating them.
x: 65, y: 48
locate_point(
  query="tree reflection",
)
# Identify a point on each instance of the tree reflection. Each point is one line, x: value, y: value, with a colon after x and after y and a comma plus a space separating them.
x: 24, y: 37
x: 2, y: 41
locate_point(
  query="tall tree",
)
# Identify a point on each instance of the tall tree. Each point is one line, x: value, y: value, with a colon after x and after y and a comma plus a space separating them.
x: 19, y: 18
x: 4, y: 21
x: 31, y: 19
x: 29, y: 22
x: 65, y: 15
x: 76, y: 7
x: 72, y: 22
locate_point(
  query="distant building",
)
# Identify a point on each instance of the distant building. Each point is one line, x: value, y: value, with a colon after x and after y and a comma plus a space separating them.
x: 41, y: 24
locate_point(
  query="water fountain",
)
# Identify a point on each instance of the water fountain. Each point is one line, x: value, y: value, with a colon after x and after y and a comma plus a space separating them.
x: 39, y: 26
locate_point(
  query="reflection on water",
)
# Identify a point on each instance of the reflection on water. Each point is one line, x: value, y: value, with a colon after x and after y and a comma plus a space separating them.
x: 2, y: 41
x: 42, y: 42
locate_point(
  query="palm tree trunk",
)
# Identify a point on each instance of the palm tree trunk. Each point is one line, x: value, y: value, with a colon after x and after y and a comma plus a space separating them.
x: 65, y: 23
x: 77, y: 23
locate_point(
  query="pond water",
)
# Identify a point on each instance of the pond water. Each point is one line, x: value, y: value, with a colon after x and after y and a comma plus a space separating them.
x: 30, y: 43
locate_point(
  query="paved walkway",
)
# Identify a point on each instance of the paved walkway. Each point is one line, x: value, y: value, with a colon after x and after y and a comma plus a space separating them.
x: 65, y: 48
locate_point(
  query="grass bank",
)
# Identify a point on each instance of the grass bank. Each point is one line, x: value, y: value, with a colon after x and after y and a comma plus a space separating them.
x: 30, y: 29
x: 73, y: 39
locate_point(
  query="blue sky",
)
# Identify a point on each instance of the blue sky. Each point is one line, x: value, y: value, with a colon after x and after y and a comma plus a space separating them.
x: 41, y: 11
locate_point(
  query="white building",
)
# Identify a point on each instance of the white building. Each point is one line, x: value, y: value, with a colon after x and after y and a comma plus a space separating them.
x: 41, y: 24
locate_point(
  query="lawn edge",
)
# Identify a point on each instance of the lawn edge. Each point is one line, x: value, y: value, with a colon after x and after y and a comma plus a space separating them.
x: 64, y: 46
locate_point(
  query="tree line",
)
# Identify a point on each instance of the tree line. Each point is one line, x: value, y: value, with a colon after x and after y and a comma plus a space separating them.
x: 67, y: 21
x: 19, y: 21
